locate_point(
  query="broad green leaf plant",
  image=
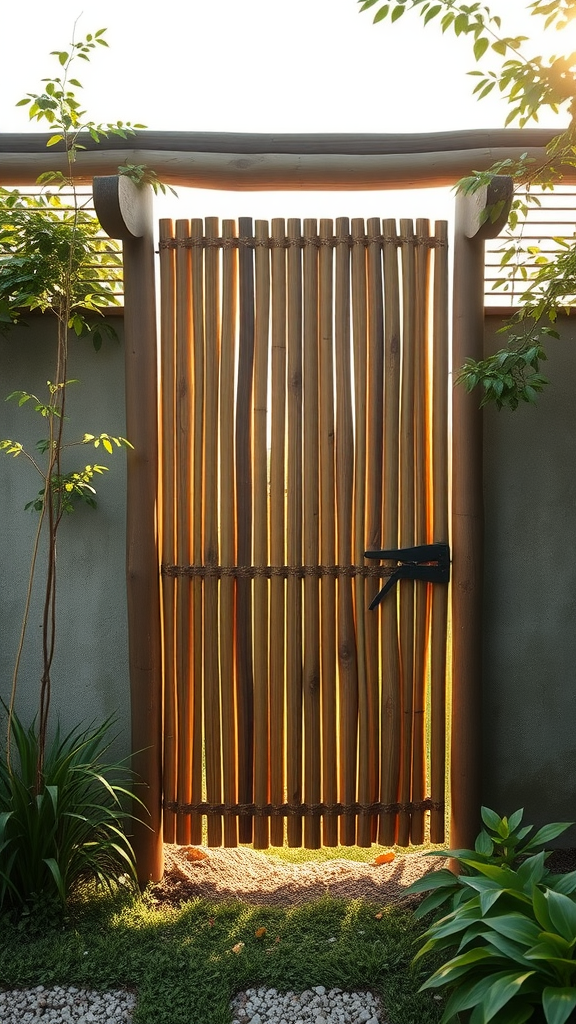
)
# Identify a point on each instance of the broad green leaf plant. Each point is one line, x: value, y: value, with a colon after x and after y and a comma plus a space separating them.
x: 510, y: 935
x: 528, y: 82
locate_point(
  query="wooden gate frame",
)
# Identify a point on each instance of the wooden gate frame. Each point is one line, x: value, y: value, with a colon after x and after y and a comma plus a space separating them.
x: 125, y: 212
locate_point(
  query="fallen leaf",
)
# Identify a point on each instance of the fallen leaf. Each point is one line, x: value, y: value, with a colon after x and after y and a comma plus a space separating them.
x: 379, y: 915
x: 384, y: 858
x: 260, y: 933
x: 195, y: 853
x: 238, y: 947
x: 211, y: 922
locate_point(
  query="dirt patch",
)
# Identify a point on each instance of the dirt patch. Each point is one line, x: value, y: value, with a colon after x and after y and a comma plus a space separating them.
x: 259, y: 879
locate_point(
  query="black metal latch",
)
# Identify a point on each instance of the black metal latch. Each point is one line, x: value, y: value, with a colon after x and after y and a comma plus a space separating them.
x: 429, y: 562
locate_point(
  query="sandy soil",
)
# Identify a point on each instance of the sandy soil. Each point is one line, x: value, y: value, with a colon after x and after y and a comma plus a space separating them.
x: 223, y: 874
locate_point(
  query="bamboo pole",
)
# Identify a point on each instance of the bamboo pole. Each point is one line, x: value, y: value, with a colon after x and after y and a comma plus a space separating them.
x: 391, y: 725
x: 260, y: 536
x: 374, y: 492
x: 211, y: 546
x: 244, y: 667
x: 167, y: 523
x: 311, y: 671
x: 406, y: 599
x: 439, y: 530
x: 360, y: 346
x: 327, y: 536
x: 227, y: 529
x: 347, y: 658
x: 294, y: 535
x: 182, y: 444
x: 421, y: 492
x: 197, y: 502
x: 277, y: 527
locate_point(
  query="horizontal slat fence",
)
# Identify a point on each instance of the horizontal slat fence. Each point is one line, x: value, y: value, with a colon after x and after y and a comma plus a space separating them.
x: 304, y: 411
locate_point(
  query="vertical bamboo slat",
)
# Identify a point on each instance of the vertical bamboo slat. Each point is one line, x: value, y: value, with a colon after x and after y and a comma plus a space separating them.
x: 260, y: 539
x: 327, y: 535
x: 347, y: 659
x: 294, y: 535
x: 440, y: 530
x: 421, y: 491
x: 390, y: 653
x: 374, y: 417
x: 406, y: 600
x: 366, y: 789
x: 211, y: 545
x: 168, y: 529
x: 244, y: 668
x: 311, y: 671
x: 227, y: 529
x: 183, y: 448
x: 197, y: 502
x: 277, y: 527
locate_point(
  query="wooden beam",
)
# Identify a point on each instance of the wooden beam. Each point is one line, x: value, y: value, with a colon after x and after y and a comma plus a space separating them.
x: 471, y: 229
x: 282, y: 162
x: 126, y: 212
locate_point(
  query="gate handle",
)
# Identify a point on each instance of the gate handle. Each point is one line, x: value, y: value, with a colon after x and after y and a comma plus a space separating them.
x: 428, y: 562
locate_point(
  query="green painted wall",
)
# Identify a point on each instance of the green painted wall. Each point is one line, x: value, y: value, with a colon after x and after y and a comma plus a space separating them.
x: 90, y: 673
x: 529, y: 703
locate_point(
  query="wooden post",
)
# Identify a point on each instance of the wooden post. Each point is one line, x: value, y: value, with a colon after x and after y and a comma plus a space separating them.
x: 471, y: 229
x: 125, y: 211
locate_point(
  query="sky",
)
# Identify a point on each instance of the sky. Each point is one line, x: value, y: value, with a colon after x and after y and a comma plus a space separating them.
x: 260, y: 66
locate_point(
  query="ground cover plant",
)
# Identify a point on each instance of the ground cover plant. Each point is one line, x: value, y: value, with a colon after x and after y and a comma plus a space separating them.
x: 508, y: 942
x: 187, y: 962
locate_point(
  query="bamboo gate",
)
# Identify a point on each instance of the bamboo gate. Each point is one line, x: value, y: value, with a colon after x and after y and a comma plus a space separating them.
x: 304, y: 421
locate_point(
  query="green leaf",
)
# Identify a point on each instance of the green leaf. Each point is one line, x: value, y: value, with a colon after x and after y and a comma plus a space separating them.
x: 562, y: 912
x: 63, y: 58
x: 484, y: 844
x: 517, y: 927
x: 558, y: 1004
x: 480, y: 47
x: 54, y: 139
x: 490, y: 818
x: 501, y: 992
x: 548, y: 833
x: 431, y: 13
x: 397, y: 13
x: 381, y: 14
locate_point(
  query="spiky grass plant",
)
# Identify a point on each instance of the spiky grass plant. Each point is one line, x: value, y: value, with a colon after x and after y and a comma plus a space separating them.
x: 69, y: 828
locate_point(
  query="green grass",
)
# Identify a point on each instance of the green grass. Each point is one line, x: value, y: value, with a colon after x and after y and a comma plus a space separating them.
x: 359, y: 854
x: 183, y: 967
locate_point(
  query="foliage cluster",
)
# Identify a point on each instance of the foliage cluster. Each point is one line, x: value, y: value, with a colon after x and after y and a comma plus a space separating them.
x: 62, y: 806
x: 69, y: 831
x: 510, y: 935
x: 528, y: 82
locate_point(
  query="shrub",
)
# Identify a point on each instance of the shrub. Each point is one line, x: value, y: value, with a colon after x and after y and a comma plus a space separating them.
x: 66, y: 827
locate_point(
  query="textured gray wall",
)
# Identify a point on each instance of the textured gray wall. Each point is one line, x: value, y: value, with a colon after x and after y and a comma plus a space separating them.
x: 90, y: 671
x: 530, y: 596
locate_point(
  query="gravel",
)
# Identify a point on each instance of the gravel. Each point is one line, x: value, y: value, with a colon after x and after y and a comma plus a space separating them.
x: 314, y: 1006
x: 68, y: 1005
x: 71, y: 1005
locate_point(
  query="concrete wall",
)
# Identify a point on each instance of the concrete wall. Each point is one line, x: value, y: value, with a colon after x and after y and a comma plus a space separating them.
x: 530, y: 595
x: 90, y: 671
